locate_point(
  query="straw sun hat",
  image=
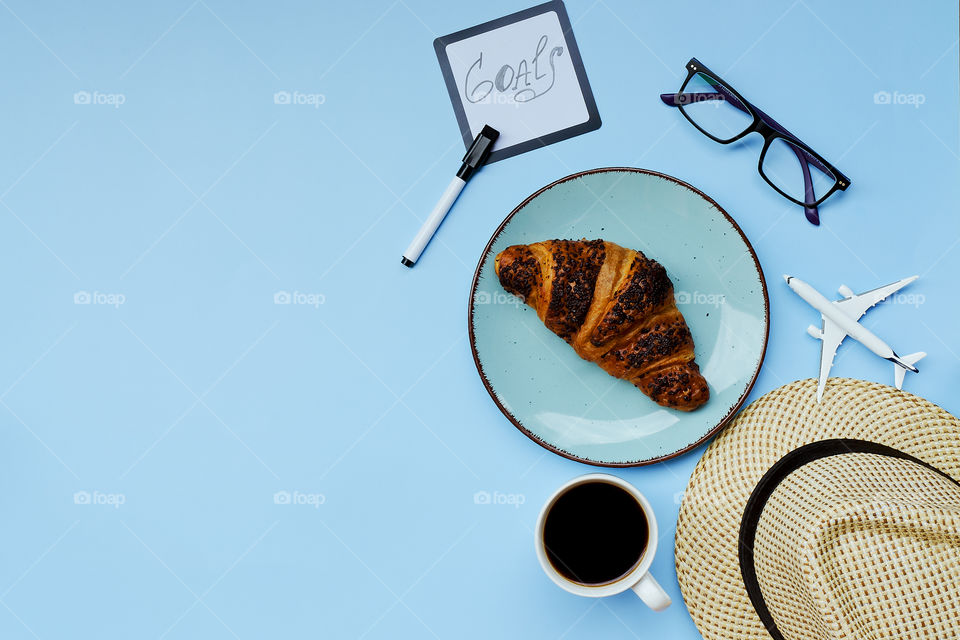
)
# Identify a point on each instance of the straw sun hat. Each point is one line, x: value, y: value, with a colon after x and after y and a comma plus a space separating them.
x: 807, y: 521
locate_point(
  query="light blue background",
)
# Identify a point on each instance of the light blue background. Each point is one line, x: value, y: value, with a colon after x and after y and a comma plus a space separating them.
x: 199, y: 198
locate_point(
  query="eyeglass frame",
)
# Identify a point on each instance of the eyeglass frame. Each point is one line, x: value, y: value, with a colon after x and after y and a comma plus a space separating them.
x: 770, y: 129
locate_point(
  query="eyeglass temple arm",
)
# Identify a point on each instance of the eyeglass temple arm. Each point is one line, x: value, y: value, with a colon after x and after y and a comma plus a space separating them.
x: 802, y: 155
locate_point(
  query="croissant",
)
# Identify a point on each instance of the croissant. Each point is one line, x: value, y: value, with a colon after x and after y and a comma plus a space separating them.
x: 615, y: 307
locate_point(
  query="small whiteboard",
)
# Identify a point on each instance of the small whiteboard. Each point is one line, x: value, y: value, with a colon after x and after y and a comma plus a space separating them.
x: 522, y: 75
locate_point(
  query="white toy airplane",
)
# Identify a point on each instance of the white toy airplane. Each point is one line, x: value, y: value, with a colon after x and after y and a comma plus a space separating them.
x: 841, y: 319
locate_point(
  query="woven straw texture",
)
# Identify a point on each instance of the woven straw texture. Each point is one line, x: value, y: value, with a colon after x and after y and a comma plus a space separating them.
x: 861, y: 546
x: 789, y: 417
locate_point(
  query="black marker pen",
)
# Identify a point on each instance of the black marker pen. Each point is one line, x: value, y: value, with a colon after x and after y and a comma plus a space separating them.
x: 477, y: 154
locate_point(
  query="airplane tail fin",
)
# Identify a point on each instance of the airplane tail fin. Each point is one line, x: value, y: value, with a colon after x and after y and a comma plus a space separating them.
x: 904, y: 363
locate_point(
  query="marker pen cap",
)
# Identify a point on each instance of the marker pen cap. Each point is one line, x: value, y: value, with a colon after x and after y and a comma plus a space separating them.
x: 478, y: 152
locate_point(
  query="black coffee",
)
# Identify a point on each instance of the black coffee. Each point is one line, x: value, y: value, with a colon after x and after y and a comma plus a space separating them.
x: 595, y: 533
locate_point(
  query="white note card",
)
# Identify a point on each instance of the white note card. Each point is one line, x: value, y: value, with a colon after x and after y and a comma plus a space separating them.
x: 522, y: 75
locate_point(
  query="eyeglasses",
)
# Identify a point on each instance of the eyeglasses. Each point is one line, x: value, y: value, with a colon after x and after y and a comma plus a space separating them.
x: 721, y: 113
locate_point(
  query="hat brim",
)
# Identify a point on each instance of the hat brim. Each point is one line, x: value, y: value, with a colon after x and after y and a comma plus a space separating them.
x: 707, y: 558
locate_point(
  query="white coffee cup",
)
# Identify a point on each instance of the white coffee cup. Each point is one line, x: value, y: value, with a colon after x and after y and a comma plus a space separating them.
x: 638, y: 578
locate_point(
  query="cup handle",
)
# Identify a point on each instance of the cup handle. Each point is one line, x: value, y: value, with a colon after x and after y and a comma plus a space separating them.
x: 652, y: 593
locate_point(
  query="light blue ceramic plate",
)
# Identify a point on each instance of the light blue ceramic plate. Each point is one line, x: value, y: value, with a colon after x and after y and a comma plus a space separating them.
x: 573, y: 407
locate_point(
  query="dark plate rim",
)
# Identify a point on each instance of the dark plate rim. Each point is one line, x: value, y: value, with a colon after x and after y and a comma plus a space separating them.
x: 546, y: 445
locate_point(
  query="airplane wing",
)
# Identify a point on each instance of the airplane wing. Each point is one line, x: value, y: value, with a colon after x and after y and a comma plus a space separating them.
x: 857, y: 305
x: 830, y: 340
